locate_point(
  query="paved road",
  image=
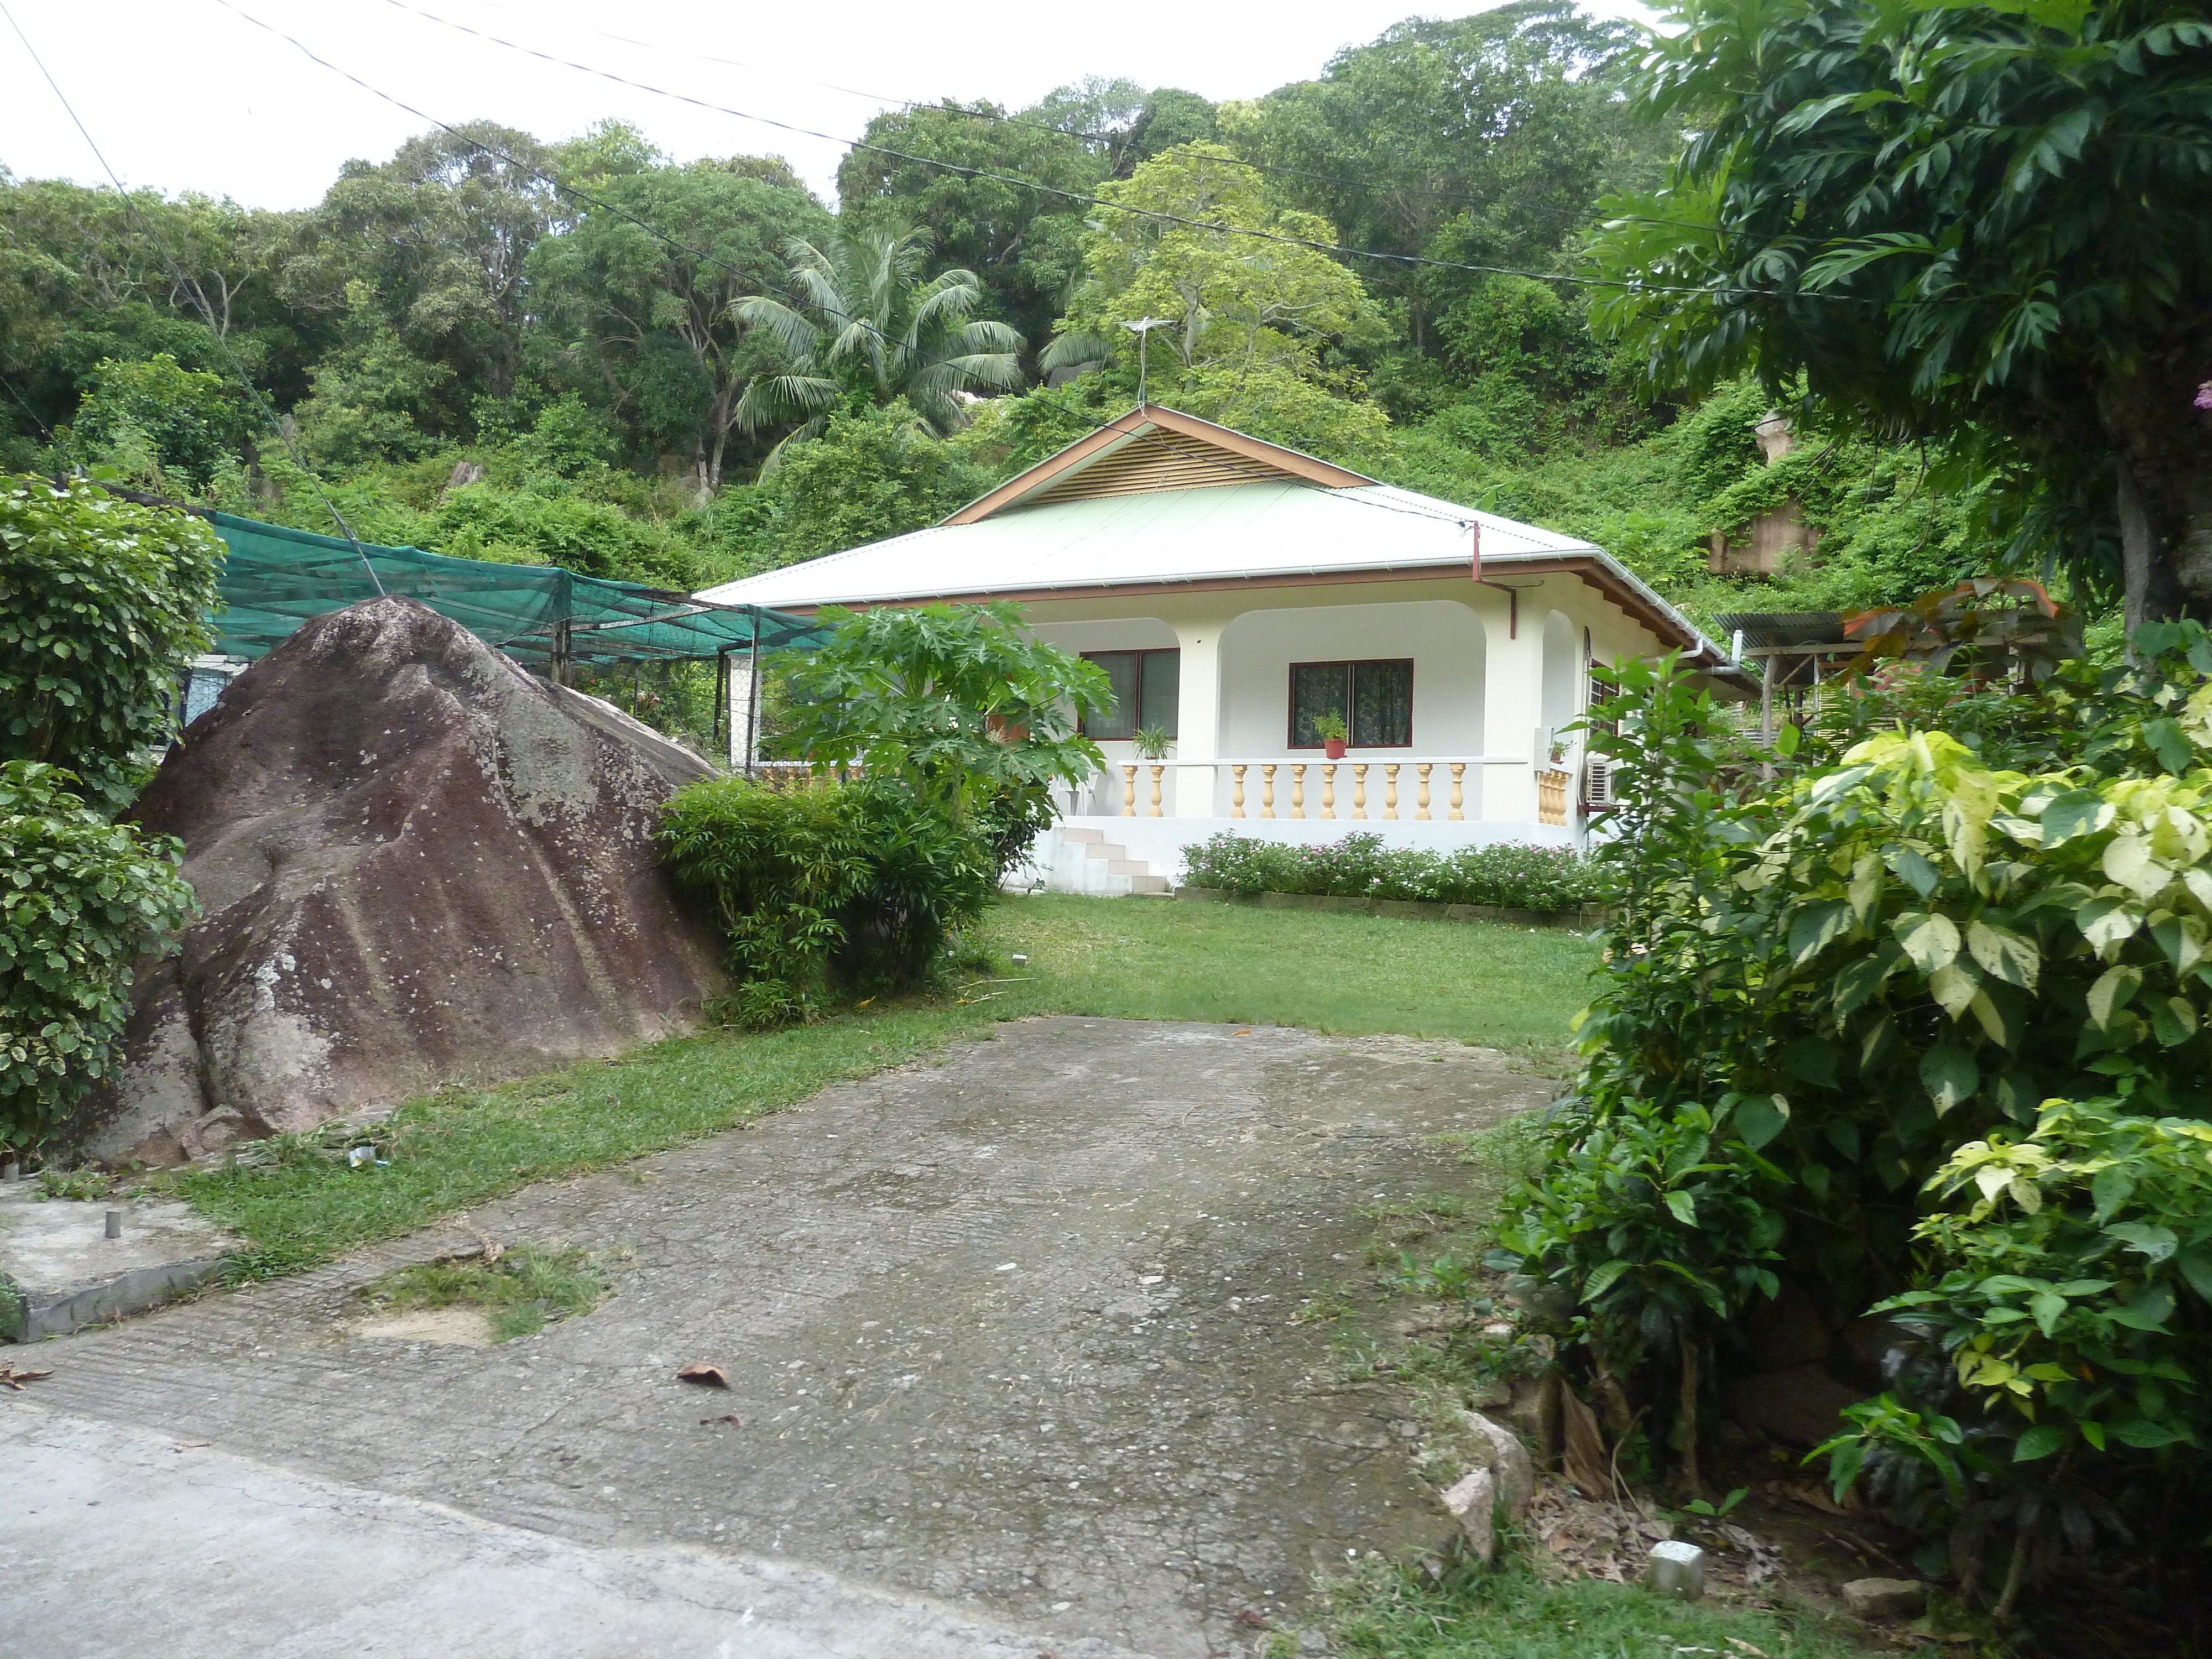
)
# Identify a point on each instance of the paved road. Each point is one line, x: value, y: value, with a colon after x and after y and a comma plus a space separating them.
x: 1014, y: 1336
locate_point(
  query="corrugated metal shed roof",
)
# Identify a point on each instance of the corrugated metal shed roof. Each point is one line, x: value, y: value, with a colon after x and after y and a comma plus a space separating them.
x: 1780, y: 628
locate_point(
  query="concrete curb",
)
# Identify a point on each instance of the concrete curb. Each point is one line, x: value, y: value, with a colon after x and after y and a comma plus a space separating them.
x: 23, y: 1320
x: 1590, y: 915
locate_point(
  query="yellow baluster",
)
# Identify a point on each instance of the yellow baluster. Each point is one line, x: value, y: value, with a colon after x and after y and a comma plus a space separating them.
x: 1390, y: 790
x: 1458, y: 797
x: 1360, y: 790
x: 1421, y: 801
x: 1298, y: 790
x: 1236, y: 792
x: 1329, y: 790
x: 1128, y: 792
x: 1266, y: 791
x: 1157, y: 769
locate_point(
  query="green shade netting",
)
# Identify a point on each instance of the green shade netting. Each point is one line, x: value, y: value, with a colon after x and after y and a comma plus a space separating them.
x: 276, y: 578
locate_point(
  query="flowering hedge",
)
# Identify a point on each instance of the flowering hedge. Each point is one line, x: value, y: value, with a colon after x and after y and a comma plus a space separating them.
x: 1506, y: 874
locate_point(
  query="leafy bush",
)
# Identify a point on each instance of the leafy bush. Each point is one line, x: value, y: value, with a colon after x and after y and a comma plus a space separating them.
x: 1831, y: 994
x: 1509, y: 874
x: 859, y: 884
x: 959, y: 704
x: 2069, y: 1287
x: 79, y: 898
x: 153, y: 418
x: 102, y: 604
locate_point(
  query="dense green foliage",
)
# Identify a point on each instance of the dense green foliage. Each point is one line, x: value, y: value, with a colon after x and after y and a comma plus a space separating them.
x: 956, y: 703
x: 1917, y: 967
x: 1509, y: 874
x: 853, y: 886
x: 102, y: 604
x: 1944, y: 219
x: 585, y: 352
x: 79, y: 898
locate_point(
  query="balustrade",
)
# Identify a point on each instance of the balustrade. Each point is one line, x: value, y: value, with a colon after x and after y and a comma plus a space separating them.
x: 1389, y: 803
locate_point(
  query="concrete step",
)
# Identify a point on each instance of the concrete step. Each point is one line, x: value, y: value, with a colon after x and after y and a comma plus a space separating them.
x: 1080, y: 835
x: 1127, y: 866
x: 1156, y: 885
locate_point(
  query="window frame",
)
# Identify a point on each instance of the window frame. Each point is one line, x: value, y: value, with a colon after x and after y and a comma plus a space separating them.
x: 1137, y: 715
x: 1351, y: 665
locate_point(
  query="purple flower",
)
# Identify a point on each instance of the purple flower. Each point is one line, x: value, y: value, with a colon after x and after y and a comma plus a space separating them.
x: 2204, y: 395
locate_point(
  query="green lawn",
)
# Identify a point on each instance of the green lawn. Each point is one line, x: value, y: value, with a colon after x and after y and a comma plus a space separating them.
x: 1514, y: 988
x: 1140, y: 959
x: 1388, y: 1611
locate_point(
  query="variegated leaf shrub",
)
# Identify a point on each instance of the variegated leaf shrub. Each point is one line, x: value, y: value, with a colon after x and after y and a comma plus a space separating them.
x: 1935, y: 1035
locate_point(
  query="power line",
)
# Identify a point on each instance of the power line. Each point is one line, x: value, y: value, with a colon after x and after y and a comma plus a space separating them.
x: 183, y: 279
x: 1007, y: 179
x: 554, y: 180
x: 1105, y: 138
x: 27, y: 408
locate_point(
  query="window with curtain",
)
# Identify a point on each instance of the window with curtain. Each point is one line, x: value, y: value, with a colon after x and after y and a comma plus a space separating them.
x: 1374, y: 700
x: 1146, y: 687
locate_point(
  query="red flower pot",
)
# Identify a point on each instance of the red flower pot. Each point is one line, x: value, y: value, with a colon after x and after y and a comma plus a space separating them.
x: 1332, y: 747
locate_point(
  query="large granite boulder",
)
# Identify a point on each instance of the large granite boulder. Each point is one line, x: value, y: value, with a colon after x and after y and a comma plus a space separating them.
x: 418, y: 863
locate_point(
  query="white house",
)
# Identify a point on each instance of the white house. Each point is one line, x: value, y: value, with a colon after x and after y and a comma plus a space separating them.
x: 1235, y: 590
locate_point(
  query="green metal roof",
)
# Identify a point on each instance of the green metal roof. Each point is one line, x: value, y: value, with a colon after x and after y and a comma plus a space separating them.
x: 277, y: 577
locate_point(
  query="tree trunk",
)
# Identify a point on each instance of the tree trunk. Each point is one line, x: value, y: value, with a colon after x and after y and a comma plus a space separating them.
x: 1692, y: 1476
x: 2165, y: 487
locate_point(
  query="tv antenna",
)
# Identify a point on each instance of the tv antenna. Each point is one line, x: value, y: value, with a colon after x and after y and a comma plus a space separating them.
x: 1142, y: 329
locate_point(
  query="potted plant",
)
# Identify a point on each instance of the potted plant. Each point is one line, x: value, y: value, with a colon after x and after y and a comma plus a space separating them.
x: 1151, y: 743
x: 1330, y: 729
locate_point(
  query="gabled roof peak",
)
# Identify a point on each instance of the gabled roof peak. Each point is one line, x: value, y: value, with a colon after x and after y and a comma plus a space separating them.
x: 1154, y: 448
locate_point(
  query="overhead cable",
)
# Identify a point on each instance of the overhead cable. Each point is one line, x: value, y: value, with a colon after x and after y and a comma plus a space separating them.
x: 947, y: 108
x: 1025, y: 184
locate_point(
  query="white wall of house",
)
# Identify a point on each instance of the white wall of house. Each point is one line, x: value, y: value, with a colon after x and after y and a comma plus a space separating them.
x: 1444, y: 639
x: 1496, y: 675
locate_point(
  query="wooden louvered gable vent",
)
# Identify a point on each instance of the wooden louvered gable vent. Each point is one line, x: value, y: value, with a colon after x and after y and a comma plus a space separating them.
x: 1160, y: 461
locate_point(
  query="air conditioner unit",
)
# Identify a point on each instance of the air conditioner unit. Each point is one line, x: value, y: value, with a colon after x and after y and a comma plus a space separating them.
x: 1597, y: 783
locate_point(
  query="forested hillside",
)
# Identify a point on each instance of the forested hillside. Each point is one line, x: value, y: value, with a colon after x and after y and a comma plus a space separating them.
x: 583, y: 352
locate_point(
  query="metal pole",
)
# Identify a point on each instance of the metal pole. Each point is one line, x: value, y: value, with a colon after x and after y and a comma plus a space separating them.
x: 722, y: 702
x: 1765, y: 715
x: 752, y: 701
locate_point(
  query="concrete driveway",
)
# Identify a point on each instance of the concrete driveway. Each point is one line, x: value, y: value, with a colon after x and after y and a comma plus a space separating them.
x: 1017, y: 1366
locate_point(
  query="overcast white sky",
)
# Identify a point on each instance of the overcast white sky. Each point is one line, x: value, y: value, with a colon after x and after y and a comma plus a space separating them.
x: 187, y: 94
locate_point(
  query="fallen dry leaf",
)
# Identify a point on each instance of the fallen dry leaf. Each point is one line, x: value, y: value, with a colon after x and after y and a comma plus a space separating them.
x: 15, y: 1379
x: 731, y: 1418
x: 1255, y: 1620
x: 1585, y: 1460
x: 707, y: 1376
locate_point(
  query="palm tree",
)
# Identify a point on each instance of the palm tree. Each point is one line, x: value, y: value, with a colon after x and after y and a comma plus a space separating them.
x: 865, y: 315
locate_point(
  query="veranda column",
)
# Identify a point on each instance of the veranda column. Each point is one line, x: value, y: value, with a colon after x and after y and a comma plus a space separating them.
x: 1198, y: 717
x: 1512, y: 701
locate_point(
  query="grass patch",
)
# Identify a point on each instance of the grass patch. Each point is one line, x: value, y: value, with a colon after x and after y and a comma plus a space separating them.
x: 1511, y: 988
x: 526, y: 1290
x: 1514, y: 989
x: 1388, y: 1611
